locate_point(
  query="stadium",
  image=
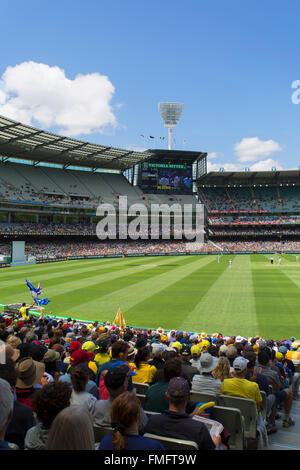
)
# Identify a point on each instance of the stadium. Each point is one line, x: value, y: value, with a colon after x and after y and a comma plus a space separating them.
x: 50, y: 189
x: 240, y: 278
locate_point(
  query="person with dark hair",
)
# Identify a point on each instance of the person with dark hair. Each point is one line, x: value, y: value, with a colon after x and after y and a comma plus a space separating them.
x: 156, y: 394
x: 254, y: 374
x: 188, y: 371
x: 178, y: 424
x: 22, y: 417
x: 116, y: 383
x: 47, y: 403
x: 125, y: 419
x: 102, y: 351
x: 119, y: 352
x: 283, y: 395
x: 80, y: 378
x: 145, y: 372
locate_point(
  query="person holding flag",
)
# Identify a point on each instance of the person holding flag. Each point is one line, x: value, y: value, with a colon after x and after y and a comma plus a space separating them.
x: 24, y: 310
x: 120, y: 319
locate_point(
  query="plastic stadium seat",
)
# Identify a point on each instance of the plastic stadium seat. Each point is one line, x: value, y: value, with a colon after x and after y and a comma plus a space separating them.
x: 150, y: 413
x: 233, y: 422
x: 199, y: 397
x: 173, y: 444
x: 101, y: 431
x: 142, y: 399
x: 264, y: 404
x: 141, y: 388
x: 248, y: 411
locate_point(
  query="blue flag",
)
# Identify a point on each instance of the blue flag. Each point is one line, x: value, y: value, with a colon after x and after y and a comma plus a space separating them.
x: 38, y: 291
x: 41, y: 302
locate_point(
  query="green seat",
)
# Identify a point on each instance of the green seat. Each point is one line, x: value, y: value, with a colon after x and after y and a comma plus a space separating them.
x: 247, y: 408
x: 170, y: 443
x: 233, y: 422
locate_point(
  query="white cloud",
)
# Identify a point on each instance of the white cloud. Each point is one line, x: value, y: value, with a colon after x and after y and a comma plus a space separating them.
x: 212, y: 155
x: 136, y: 149
x: 262, y: 165
x: 266, y: 165
x: 36, y: 93
x: 252, y: 149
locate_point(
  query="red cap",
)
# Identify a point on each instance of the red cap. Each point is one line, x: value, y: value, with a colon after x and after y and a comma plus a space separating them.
x: 79, y: 356
x: 74, y: 346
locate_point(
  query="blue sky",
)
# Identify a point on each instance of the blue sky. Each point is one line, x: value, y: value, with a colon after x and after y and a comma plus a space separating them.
x: 231, y: 63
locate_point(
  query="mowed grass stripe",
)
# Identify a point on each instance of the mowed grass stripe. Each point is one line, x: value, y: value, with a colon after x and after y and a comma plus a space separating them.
x: 105, y: 287
x: 105, y: 307
x: 43, y: 271
x: 169, y: 307
x: 79, y: 271
x: 228, y: 306
x: 277, y: 299
x: 75, y: 283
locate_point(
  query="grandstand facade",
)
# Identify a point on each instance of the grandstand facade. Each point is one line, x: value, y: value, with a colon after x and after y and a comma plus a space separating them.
x: 51, y: 186
x: 259, y: 208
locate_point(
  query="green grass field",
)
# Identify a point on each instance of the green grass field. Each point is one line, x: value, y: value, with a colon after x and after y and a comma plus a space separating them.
x: 190, y: 293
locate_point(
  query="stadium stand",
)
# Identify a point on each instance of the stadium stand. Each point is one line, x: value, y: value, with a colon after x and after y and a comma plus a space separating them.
x: 51, y: 205
x: 64, y: 346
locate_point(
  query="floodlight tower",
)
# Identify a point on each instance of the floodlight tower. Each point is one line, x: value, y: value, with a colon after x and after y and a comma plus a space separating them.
x: 170, y: 114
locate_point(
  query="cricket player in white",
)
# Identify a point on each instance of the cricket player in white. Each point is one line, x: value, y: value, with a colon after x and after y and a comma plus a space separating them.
x: 218, y: 259
x: 279, y: 260
x: 297, y: 259
x: 230, y: 264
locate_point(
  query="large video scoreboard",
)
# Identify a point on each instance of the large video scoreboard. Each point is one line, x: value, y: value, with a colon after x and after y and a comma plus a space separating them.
x: 168, y: 178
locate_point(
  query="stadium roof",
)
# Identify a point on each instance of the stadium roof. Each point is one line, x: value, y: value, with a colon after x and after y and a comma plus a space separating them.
x: 28, y: 143
x: 175, y: 156
x: 222, y: 178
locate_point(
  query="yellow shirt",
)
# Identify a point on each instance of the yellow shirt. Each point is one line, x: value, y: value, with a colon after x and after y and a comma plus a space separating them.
x: 144, y: 373
x: 23, y: 312
x: 243, y: 388
x: 293, y: 356
x: 101, y: 358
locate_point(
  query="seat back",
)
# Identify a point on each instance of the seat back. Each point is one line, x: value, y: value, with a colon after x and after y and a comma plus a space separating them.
x: 200, y: 397
x: 142, y: 399
x: 141, y: 388
x: 233, y: 422
x: 170, y: 443
x: 264, y: 404
x: 248, y: 411
x: 101, y: 431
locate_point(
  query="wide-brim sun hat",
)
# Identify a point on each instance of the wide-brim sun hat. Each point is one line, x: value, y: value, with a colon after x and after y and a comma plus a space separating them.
x: 30, y: 372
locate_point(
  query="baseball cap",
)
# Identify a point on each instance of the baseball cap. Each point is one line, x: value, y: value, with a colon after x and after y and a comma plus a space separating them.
x: 178, y: 387
x: 89, y: 346
x: 115, y: 377
x: 74, y: 346
x: 195, y: 350
x: 240, y: 364
x: 185, y: 351
x: 177, y: 345
x: 279, y: 356
x: 80, y: 356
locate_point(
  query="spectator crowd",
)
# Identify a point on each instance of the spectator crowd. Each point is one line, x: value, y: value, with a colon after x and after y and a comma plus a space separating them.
x: 61, y: 380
